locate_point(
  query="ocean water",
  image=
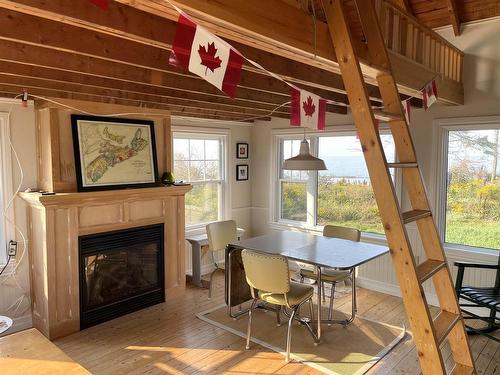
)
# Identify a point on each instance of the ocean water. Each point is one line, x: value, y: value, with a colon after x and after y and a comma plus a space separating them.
x: 350, y: 167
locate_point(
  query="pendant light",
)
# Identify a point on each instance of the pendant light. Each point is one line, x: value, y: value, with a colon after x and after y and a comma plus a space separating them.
x: 304, y: 161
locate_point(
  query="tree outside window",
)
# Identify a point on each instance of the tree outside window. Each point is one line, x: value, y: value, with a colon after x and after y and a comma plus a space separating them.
x: 198, y: 160
x: 473, y: 188
x: 341, y: 195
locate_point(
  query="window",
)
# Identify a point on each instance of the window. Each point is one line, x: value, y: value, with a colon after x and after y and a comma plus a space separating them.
x: 341, y: 195
x: 293, y: 185
x: 199, y: 160
x: 472, y: 187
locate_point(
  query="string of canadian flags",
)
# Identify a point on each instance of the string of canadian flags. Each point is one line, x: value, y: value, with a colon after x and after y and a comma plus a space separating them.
x: 213, y: 59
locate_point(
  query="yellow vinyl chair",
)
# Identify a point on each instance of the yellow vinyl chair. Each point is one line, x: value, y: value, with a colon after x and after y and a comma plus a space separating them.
x: 333, y: 276
x: 268, y: 277
x: 219, y: 235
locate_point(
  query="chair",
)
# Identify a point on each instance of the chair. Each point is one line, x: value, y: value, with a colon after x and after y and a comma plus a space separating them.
x: 268, y: 277
x: 333, y: 276
x: 484, y: 297
x: 219, y: 235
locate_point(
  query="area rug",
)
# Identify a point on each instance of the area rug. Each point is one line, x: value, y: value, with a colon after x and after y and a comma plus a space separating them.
x: 343, y: 350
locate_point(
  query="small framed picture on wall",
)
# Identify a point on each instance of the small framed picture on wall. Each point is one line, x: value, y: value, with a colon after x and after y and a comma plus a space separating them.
x: 242, y: 172
x: 242, y: 150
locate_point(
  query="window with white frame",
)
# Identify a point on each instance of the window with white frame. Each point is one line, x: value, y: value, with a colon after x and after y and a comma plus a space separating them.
x: 341, y: 195
x: 5, y: 185
x: 471, y: 189
x: 199, y: 160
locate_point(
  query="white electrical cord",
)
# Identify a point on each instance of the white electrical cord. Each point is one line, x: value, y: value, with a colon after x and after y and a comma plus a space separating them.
x: 12, y: 273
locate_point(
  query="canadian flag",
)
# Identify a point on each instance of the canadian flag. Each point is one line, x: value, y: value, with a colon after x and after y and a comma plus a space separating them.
x: 103, y: 4
x: 406, y: 109
x: 308, y: 110
x: 206, y: 55
x: 429, y: 94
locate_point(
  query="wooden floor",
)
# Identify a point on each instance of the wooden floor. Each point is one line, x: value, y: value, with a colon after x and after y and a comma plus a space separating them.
x: 168, y: 339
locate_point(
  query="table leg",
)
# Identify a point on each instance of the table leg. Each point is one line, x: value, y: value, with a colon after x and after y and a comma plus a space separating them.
x: 196, y: 263
x: 318, y: 272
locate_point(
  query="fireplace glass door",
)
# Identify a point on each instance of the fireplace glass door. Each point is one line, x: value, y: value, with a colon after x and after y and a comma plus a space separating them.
x: 120, y: 272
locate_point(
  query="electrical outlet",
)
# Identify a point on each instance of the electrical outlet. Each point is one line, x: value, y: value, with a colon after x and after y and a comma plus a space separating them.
x: 12, y: 248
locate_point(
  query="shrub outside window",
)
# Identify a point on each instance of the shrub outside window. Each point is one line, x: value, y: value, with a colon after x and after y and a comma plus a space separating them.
x: 198, y: 159
x: 341, y: 195
x: 472, y: 209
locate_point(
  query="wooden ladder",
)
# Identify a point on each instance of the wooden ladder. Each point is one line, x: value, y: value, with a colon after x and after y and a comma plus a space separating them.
x: 428, y: 332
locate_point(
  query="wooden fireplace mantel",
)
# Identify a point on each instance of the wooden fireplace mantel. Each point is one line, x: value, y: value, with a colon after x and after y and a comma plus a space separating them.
x: 56, y: 221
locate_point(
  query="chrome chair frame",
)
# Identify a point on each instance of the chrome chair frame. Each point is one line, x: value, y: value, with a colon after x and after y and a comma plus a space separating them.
x: 352, y: 278
x: 292, y: 317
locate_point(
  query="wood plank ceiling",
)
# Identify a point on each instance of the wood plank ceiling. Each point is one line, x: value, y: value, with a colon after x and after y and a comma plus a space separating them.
x: 78, y: 51
x: 121, y: 56
x: 431, y: 13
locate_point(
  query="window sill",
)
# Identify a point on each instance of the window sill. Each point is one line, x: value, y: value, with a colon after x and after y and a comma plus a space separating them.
x: 470, y: 253
x: 378, y: 239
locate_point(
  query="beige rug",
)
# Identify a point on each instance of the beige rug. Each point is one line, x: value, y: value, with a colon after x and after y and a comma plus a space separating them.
x: 343, y: 350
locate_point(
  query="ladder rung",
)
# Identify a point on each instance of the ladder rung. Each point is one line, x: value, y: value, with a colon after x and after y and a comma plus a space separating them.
x: 444, y: 323
x: 414, y: 215
x: 386, y: 116
x: 428, y: 268
x: 402, y: 165
x: 459, y: 369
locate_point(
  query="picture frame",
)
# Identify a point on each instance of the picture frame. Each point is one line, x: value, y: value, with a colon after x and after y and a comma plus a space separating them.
x: 114, y: 153
x: 241, y: 150
x: 242, y: 172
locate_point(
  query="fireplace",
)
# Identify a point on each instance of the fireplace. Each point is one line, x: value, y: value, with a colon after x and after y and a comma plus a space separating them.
x: 120, y: 272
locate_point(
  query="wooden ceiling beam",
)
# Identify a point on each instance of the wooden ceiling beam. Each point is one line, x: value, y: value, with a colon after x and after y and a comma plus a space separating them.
x: 61, y: 37
x: 49, y: 87
x: 272, y: 26
x: 288, y: 31
x: 30, y: 55
x: 454, y: 18
x: 130, y: 23
x: 404, y: 4
x: 160, y: 93
x: 12, y: 90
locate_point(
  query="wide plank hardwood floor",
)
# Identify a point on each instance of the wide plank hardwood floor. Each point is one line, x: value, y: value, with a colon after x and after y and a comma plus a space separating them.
x: 169, y: 339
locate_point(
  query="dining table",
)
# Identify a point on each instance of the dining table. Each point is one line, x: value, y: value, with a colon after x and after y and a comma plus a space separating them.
x: 317, y: 250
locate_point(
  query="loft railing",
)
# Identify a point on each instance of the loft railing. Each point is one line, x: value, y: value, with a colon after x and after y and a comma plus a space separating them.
x: 406, y: 36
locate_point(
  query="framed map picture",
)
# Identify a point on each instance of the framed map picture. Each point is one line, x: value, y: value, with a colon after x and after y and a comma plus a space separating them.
x: 114, y: 153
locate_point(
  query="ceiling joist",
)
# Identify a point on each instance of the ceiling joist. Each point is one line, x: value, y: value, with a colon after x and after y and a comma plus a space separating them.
x: 454, y: 19
x: 128, y: 23
x: 286, y: 30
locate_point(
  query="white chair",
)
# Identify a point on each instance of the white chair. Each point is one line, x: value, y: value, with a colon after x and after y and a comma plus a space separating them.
x: 333, y: 276
x: 219, y: 235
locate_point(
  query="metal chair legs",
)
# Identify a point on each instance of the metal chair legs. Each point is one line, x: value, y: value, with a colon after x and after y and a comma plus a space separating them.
x: 353, y: 293
x: 290, y: 322
x: 332, y: 296
x: 289, y: 334
x: 249, y: 327
x: 278, y: 316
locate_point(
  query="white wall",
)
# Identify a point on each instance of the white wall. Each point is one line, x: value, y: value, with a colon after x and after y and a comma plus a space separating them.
x: 479, y: 41
x: 14, y: 283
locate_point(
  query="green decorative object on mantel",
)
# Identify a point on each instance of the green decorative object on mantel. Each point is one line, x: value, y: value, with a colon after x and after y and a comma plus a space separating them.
x: 167, y: 178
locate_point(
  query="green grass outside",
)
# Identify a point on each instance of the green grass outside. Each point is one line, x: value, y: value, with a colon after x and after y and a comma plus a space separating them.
x: 474, y: 233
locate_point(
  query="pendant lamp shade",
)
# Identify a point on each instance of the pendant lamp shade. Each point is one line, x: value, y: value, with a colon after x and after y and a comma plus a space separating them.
x: 304, y: 161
